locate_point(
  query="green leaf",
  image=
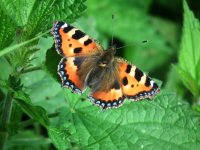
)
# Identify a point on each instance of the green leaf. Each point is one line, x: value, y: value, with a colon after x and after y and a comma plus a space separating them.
x: 198, y: 72
x: 73, y: 11
x: 7, y: 30
x: 37, y: 16
x: 27, y: 140
x: 165, y: 123
x: 58, y: 138
x: 52, y: 96
x: 17, y: 46
x: 34, y: 17
x: 51, y: 63
x: 6, y: 73
x: 187, y: 80
x: 36, y: 112
x: 190, y: 52
x: 38, y: 19
x: 19, y: 11
x: 174, y: 82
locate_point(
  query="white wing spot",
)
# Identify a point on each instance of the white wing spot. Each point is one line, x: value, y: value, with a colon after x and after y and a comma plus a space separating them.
x: 152, y: 82
x: 132, y: 73
x: 65, y: 25
x: 83, y: 39
x: 143, y: 79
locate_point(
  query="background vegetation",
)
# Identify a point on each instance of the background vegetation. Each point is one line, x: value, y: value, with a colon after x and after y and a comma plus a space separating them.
x: 36, y: 113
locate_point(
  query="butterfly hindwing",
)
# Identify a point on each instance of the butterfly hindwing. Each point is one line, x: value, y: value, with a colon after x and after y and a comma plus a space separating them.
x: 70, y: 41
x: 67, y: 69
x: 135, y: 84
x: 108, y: 98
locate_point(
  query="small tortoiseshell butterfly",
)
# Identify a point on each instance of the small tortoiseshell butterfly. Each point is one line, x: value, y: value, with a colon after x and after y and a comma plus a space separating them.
x: 86, y: 64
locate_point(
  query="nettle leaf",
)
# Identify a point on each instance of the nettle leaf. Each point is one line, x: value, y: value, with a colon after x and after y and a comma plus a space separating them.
x: 187, y: 80
x: 165, y: 123
x: 26, y: 11
x: 51, y: 63
x: 59, y: 138
x: 68, y: 10
x: 19, y: 10
x: 132, y: 27
x: 51, y: 98
x: 198, y: 72
x: 33, y: 142
x: 174, y: 83
x: 44, y: 90
x: 189, y: 56
x: 45, y: 12
x: 36, y: 112
x: 33, y: 17
x: 38, y: 20
x: 7, y: 29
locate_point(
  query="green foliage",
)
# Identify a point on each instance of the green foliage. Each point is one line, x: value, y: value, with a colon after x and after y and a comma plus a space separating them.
x: 23, y: 23
x: 189, y: 57
x: 33, y: 141
x: 59, y: 138
x: 161, y: 124
x: 7, y: 32
x: 36, y: 113
x: 133, y: 26
x: 52, y: 61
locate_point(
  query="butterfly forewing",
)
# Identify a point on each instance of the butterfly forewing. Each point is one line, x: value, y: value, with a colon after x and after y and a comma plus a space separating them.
x: 70, y: 41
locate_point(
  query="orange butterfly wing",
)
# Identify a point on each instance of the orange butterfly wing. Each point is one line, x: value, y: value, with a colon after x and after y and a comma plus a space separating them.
x: 74, y: 45
x: 108, y: 98
x: 135, y: 84
x: 67, y: 69
x: 70, y: 41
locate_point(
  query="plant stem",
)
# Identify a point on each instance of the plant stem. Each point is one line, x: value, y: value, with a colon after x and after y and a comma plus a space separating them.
x: 7, y: 109
x: 3, y: 138
x: 31, y: 121
x: 31, y: 69
x: 12, y: 48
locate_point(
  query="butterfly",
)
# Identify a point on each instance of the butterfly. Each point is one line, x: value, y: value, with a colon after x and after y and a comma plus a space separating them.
x: 85, y: 63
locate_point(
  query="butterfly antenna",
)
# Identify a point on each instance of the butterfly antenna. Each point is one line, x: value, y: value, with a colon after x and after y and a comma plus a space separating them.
x: 144, y: 41
x: 122, y: 47
x: 113, y: 17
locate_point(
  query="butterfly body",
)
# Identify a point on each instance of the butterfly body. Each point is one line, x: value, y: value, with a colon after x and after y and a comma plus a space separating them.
x: 86, y: 64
